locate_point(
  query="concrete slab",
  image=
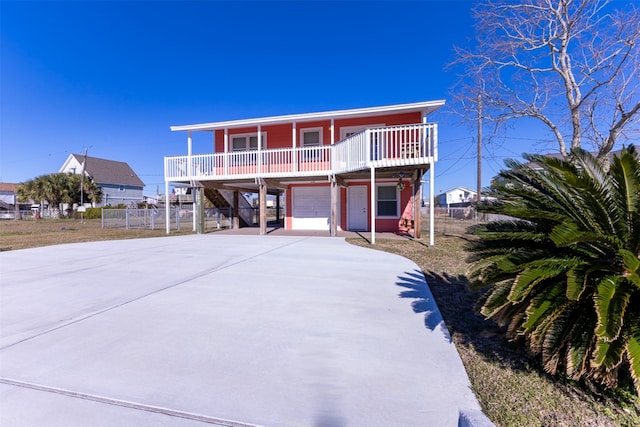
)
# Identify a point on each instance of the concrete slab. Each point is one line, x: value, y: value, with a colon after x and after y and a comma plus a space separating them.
x: 224, y: 330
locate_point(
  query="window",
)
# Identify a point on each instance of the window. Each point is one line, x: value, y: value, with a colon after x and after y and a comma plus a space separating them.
x: 247, y: 142
x: 376, y: 146
x: 311, y: 137
x: 387, y: 201
x: 347, y: 131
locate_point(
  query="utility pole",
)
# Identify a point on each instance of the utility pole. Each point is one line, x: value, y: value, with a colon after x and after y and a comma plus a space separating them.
x: 479, y: 178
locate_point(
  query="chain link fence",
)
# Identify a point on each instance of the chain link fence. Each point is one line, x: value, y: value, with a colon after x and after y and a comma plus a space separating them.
x: 155, y: 218
x: 456, y: 221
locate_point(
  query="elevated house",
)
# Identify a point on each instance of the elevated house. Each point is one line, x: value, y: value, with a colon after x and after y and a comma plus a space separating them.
x: 119, y: 183
x: 459, y: 196
x: 357, y: 169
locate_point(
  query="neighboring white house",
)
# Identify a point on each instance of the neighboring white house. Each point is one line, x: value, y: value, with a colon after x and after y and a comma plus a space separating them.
x: 119, y: 183
x: 456, y: 195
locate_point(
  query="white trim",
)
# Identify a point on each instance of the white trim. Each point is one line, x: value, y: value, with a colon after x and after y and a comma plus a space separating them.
x: 426, y: 107
x: 350, y: 190
x: 388, y: 184
x: 303, y: 131
x: 344, y: 130
x: 262, y: 141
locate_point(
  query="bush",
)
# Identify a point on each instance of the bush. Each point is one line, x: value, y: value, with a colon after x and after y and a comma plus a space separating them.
x: 93, y: 213
x: 564, y: 272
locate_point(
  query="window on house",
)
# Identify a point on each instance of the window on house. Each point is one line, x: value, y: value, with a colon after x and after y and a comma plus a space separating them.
x: 122, y: 189
x: 376, y: 145
x: 387, y: 201
x: 311, y: 138
x: 247, y: 142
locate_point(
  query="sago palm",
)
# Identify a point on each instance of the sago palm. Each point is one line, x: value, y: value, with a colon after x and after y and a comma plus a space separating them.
x: 564, y: 267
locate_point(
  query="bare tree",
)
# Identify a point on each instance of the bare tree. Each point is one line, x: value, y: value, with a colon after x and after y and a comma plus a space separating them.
x: 571, y: 64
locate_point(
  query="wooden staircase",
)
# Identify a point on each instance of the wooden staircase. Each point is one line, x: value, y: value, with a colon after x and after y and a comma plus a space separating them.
x: 216, y: 198
x: 221, y: 202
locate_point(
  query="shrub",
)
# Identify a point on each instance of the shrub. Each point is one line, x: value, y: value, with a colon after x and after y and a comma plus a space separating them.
x: 564, y: 273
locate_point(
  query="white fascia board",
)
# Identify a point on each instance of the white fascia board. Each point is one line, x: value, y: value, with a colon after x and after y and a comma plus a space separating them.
x: 426, y: 107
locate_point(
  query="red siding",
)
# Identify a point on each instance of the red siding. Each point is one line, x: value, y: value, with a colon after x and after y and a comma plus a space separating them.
x: 280, y: 136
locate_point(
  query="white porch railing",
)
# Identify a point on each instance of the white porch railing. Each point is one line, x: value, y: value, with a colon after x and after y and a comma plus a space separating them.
x: 379, y: 147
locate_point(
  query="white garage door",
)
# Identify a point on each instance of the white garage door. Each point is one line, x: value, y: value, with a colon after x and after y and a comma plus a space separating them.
x: 311, y: 208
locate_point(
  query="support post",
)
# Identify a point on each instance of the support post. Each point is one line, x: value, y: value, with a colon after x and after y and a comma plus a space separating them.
x: 167, y: 208
x: 417, y: 203
x: 194, y: 213
x: 432, y: 176
x: 189, y: 154
x: 334, y: 207
x: 236, y: 209
x: 278, y: 208
x: 479, y: 178
x: 199, y: 214
x: 263, y: 208
x: 373, y: 205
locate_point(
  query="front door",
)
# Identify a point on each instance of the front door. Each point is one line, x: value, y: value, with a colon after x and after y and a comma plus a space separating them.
x: 358, y: 212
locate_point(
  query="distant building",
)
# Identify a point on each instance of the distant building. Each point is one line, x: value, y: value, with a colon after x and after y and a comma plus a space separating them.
x: 459, y: 196
x: 10, y: 206
x: 119, y: 183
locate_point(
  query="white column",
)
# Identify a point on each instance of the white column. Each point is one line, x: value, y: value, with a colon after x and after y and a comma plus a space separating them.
x: 167, y: 207
x: 259, y: 150
x: 333, y: 133
x: 226, y: 151
x: 189, y: 152
x: 373, y: 206
x: 294, y: 143
x: 432, y: 177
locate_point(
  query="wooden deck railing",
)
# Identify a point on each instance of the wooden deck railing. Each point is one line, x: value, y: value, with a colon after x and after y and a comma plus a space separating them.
x: 378, y: 147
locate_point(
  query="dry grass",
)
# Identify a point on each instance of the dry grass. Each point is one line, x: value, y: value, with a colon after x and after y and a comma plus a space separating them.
x: 47, y: 232
x: 511, y: 387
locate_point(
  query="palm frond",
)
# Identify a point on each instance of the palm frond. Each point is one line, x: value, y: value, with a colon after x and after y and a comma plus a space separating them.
x: 612, y: 297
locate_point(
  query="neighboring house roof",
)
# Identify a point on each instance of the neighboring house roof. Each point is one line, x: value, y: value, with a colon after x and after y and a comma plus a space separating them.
x: 104, y: 171
x: 8, y: 187
x: 426, y: 107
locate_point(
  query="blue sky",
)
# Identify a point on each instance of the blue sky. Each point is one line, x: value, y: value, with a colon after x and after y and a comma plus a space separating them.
x: 112, y: 76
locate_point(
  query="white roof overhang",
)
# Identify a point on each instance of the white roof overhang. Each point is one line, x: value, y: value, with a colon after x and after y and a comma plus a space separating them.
x: 426, y: 108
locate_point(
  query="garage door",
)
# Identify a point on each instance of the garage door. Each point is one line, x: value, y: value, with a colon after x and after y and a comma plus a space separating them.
x: 311, y: 208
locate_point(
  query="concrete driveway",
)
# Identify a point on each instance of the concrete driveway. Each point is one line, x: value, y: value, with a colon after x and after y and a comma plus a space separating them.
x: 224, y: 330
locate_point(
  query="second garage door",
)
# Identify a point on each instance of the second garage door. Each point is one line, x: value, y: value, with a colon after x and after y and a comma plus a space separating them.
x: 311, y: 208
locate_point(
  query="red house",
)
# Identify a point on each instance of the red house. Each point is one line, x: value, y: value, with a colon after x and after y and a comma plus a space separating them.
x: 358, y: 169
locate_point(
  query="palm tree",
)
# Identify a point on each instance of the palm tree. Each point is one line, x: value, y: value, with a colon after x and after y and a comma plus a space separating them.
x: 91, y: 191
x: 58, y: 189
x: 564, y: 272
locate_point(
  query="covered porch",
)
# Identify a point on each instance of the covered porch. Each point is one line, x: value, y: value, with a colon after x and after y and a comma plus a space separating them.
x: 356, y: 151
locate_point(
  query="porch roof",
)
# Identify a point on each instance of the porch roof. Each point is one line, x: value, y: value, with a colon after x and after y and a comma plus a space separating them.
x: 426, y: 107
